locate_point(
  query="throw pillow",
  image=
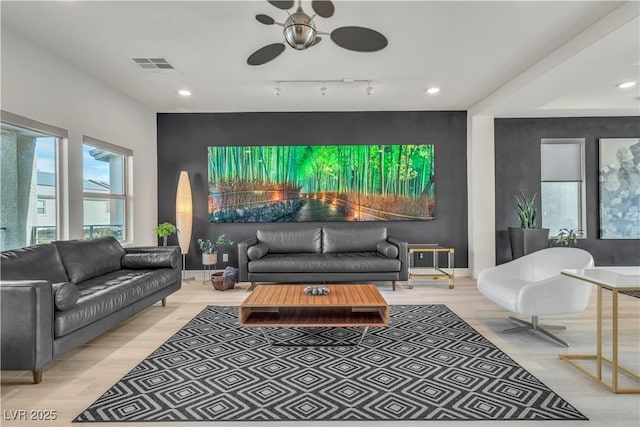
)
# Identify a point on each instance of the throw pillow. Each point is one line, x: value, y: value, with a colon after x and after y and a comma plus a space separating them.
x: 257, y: 251
x: 387, y: 249
x: 65, y: 295
x: 142, y: 261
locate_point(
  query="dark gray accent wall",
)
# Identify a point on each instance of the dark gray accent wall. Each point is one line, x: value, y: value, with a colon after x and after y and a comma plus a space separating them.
x: 183, y: 140
x: 517, y: 151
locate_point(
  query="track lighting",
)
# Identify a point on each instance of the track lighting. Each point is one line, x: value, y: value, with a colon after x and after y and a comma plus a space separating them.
x: 324, y: 83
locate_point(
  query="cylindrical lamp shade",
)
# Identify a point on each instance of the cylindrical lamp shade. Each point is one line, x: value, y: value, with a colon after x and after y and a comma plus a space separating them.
x: 184, y: 212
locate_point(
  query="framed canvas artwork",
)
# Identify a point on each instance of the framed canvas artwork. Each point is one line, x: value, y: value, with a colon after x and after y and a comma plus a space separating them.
x: 620, y: 188
x: 321, y: 183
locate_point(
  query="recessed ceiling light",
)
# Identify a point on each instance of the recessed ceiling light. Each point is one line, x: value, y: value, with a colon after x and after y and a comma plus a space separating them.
x: 184, y: 92
x: 433, y: 90
x: 626, y: 85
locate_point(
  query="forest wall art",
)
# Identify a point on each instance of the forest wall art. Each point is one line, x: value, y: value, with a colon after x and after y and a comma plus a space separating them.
x: 321, y: 183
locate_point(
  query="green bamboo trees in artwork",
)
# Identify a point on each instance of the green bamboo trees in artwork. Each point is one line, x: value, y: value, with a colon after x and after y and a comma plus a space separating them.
x: 396, y: 170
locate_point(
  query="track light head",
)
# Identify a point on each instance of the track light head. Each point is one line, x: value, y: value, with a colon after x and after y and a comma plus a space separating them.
x: 370, y: 90
x: 277, y: 91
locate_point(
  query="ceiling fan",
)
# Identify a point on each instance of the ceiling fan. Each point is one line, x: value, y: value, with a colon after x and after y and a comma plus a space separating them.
x: 300, y: 32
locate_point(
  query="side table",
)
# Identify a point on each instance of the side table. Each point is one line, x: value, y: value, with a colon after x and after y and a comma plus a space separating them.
x: 436, y: 271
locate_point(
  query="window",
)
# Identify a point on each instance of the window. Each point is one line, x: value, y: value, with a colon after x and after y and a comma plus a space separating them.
x: 29, y: 200
x: 42, y: 207
x: 104, y: 170
x: 563, y: 189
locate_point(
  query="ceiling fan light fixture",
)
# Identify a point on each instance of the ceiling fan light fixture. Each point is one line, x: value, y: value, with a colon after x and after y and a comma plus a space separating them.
x: 299, y: 30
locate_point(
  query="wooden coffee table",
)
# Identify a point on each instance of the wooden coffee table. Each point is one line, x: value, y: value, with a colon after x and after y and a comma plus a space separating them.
x: 286, y: 306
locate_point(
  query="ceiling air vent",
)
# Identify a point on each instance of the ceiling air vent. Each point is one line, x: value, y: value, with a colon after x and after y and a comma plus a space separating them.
x: 153, y: 63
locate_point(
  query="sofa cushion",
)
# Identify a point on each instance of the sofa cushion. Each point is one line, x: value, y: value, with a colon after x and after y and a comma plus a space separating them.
x: 387, y: 249
x: 355, y: 239
x: 291, y: 240
x: 84, y: 259
x: 39, y: 262
x: 103, y: 295
x: 65, y: 295
x: 150, y: 260
x: 257, y: 251
x: 324, y: 263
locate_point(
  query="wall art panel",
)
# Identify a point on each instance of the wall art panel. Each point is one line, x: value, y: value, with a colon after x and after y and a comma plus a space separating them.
x: 321, y: 183
x: 620, y: 188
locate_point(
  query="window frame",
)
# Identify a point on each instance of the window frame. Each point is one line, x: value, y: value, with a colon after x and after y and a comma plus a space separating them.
x: 62, y: 137
x: 126, y: 171
x: 582, y: 206
x: 39, y: 203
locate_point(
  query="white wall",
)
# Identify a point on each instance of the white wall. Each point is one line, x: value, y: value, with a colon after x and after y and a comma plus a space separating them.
x: 481, y: 192
x: 45, y: 88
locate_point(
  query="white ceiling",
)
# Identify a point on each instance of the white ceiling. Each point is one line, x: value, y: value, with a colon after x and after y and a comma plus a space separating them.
x: 504, y: 58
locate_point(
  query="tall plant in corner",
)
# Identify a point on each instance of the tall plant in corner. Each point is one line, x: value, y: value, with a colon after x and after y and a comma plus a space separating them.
x: 528, y: 237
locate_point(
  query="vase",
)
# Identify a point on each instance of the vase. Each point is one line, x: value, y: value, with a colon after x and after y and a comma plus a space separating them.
x: 209, y: 259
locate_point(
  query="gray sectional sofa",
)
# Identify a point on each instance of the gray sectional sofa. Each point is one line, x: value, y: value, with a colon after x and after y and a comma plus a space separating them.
x: 56, y: 296
x: 332, y: 253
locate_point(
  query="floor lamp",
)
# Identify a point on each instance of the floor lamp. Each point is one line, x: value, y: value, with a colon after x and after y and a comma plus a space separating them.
x: 184, y: 218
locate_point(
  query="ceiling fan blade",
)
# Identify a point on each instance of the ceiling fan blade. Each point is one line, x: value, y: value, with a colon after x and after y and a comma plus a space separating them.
x: 359, y: 39
x: 284, y: 5
x: 323, y: 8
x: 265, y: 54
x: 264, y: 19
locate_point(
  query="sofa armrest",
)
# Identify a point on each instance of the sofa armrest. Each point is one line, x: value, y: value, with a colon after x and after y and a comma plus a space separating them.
x: 174, y: 252
x: 243, y: 259
x: 26, y: 324
x: 403, y: 256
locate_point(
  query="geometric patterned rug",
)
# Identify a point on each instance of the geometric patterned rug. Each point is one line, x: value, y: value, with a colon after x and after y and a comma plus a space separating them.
x: 635, y: 294
x: 427, y: 365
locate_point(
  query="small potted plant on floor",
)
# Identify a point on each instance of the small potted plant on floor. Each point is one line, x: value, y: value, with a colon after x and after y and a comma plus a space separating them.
x: 209, y: 249
x: 164, y: 230
x: 528, y: 237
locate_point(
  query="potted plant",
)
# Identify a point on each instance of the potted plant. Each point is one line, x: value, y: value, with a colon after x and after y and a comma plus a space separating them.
x: 567, y: 237
x: 164, y: 230
x: 210, y: 249
x: 528, y: 237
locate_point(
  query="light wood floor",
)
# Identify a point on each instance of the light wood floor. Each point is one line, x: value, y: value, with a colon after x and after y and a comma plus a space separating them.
x: 73, y: 382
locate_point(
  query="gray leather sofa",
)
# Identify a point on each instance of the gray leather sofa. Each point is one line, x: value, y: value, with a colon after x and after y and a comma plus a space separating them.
x: 56, y: 296
x: 332, y: 253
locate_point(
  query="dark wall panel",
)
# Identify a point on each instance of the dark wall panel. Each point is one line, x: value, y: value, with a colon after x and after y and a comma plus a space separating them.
x: 183, y: 140
x: 517, y: 147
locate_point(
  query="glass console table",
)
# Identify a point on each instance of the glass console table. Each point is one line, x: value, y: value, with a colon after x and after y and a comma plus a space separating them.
x: 435, y: 271
x: 617, y: 280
